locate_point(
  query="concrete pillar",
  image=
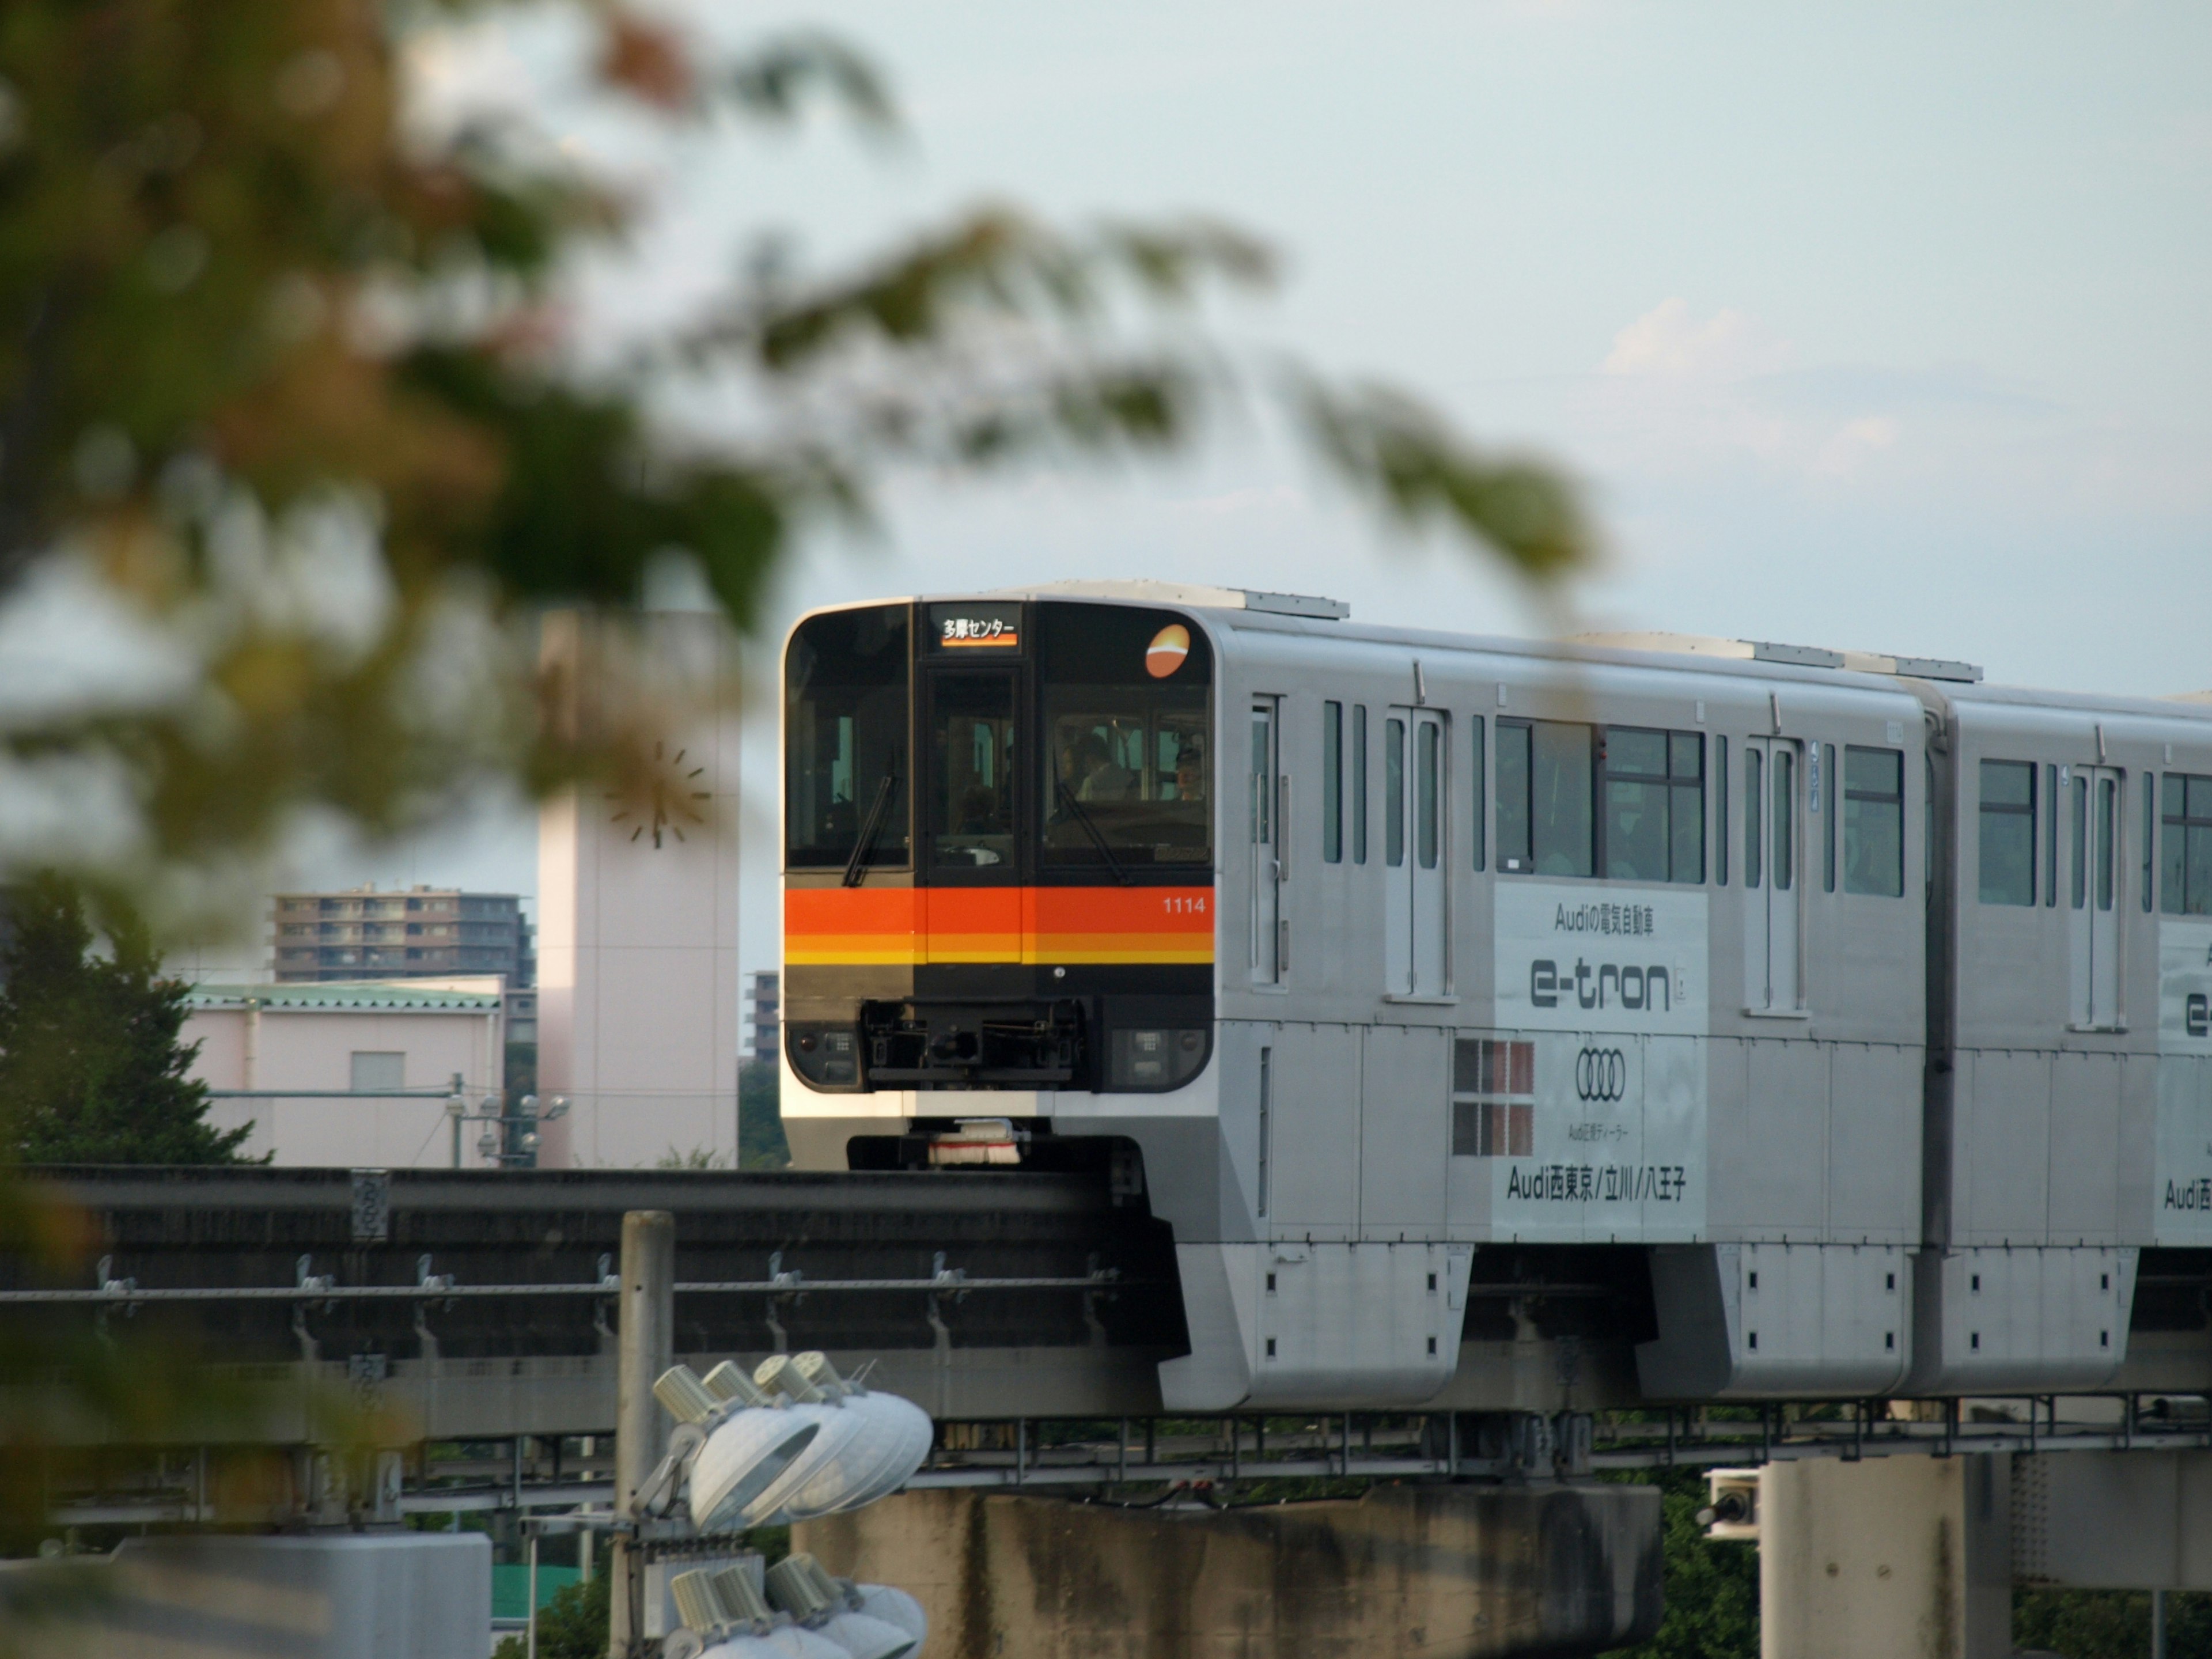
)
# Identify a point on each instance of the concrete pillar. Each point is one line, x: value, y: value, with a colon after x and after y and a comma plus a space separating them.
x: 1446, y: 1571
x: 647, y: 1347
x: 1905, y: 1557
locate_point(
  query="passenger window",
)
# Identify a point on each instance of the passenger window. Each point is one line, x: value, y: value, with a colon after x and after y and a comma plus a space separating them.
x: 1874, y: 822
x: 2079, y: 815
x: 2108, y: 815
x: 1481, y: 829
x: 1332, y: 782
x: 1754, y: 834
x: 1393, y: 793
x: 2051, y: 837
x: 2007, y: 832
x: 1427, y: 807
x: 2187, y: 844
x: 1826, y: 784
x: 1720, y: 811
x: 1359, y: 783
x: 1544, y: 821
x: 1785, y: 837
x: 2149, y: 838
x: 1655, y: 806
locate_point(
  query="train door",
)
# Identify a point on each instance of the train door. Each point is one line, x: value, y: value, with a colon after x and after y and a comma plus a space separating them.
x: 1413, y: 793
x: 2095, y: 797
x: 1774, y: 802
x: 1263, y: 796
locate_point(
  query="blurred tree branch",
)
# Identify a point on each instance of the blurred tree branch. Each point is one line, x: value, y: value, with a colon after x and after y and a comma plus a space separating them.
x: 260, y: 320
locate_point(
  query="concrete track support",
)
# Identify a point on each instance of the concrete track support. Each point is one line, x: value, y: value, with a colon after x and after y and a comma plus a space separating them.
x: 1450, y: 1572
x: 1909, y: 1558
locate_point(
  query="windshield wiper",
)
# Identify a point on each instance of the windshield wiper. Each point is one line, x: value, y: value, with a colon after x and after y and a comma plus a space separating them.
x: 856, y: 867
x: 1075, y: 809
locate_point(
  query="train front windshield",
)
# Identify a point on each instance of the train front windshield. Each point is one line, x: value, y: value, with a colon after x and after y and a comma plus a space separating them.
x: 845, y: 740
x: 1114, y: 702
x: 1127, y: 720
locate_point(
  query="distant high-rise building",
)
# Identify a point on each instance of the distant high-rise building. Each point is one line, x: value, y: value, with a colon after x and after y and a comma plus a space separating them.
x: 423, y: 932
x: 767, y: 1000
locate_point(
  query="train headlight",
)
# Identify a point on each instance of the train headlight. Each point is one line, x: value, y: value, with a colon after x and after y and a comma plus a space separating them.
x: 797, y: 1585
x: 1155, y: 1057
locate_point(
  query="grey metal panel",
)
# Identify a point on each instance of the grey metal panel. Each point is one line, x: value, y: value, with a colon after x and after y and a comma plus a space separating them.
x: 2085, y: 1148
x: 1873, y: 1142
x: 1730, y: 1155
x: 1786, y: 1123
x: 1237, y: 1052
x: 2135, y: 1190
x: 1747, y: 1321
x: 2002, y: 1107
x: 1405, y: 1138
x: 1991, y: 1320
x: 1314, y: 1132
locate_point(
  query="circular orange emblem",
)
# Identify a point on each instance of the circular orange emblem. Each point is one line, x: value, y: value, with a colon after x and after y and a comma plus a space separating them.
x: 1166, y: 652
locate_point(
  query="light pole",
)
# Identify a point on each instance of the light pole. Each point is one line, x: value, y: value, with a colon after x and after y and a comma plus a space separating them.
x: 509, y: 1138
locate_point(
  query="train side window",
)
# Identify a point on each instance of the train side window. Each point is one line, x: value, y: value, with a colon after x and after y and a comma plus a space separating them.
x: 2079, y: 814
x: 1545, y: 779
x: 2108, y: 837
x: 1428, y: 803
x: 1720, y: 811
x: 2051, y: 836
x: 1481, y: 829
x: 1513, y: 850
x: 1825, y: 785
x: 1393, y: 793
x: 2007, y: 832
x: 1359, y: 783
x: 1874, y: 822
x: 2149, y: 838
x: 1332, y: 782
x: 1755, y: 834
x: 1654, y: 826
x: 2187, y: 841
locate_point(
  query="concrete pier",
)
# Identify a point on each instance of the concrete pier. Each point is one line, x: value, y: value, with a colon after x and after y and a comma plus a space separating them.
x: 1445, y: 1571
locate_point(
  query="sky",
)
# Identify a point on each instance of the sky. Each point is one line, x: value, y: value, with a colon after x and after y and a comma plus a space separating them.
x: 1878, y: 327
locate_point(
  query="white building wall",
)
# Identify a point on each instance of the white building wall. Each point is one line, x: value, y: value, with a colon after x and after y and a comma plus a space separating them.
x: 640, y: 999
x: 278, y: 1048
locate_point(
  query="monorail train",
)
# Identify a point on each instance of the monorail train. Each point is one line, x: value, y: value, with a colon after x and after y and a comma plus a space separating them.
x: 1862, y: 1006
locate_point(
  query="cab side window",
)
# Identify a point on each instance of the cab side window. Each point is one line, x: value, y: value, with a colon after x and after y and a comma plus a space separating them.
x: 2007, y: 832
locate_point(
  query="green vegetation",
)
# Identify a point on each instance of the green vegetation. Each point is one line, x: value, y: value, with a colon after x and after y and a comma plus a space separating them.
x: 761, y: 1145
x: 1711, y: 1588
x: 2109, y: 1624
x: 91, y: 1069
x: 573, y: 1625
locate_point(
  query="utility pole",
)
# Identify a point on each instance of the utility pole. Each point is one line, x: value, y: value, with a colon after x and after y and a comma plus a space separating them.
x: 647, y: 1348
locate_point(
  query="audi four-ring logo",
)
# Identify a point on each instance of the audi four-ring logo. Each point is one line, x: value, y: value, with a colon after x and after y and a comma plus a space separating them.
x: 1600, y: 1074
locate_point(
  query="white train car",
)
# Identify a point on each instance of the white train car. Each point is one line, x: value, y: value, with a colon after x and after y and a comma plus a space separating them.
x: 1360, y: 951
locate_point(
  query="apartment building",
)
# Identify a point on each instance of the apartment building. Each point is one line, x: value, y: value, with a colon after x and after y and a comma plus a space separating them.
x: 421, y: 932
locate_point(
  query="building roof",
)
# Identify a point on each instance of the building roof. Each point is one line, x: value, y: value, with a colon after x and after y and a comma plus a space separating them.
x: 391, y: 996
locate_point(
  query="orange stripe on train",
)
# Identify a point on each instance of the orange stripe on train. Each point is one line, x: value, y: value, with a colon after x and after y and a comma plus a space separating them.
x: 906, y: 926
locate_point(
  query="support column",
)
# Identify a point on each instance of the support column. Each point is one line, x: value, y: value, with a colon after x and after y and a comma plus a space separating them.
x: 647, y: 1342
x: 1450, y: 1571
x: 1907, y: 1556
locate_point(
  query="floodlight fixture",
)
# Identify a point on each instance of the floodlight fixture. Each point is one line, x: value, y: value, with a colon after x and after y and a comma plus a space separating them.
x: 798, y: 1586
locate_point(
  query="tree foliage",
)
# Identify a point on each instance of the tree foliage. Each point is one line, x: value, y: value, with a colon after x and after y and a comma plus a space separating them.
x: 1711, y: 1588
x: 288, y: 367
x: 91, y: 1068
x: 2108, y: 1624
